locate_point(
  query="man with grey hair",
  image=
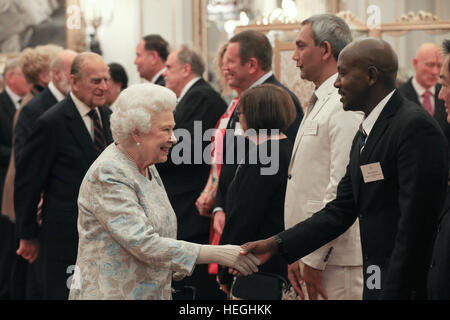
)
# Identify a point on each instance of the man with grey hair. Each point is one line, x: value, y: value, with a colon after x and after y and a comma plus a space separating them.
x: 198, y: 105
x: 318, y: 162
x: 16, y: 88
x: 63, y: 144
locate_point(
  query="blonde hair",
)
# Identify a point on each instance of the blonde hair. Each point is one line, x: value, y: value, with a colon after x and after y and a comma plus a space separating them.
x: 36, y: 61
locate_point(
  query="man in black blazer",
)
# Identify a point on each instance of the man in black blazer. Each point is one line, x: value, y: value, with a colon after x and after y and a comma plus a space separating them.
x: 427, y: 63
x: 198, y: 109
x: 438, y: 274
x: 395, y: 182
x: 65, y: 141
x: 16, y: 88
x: 151, y: 55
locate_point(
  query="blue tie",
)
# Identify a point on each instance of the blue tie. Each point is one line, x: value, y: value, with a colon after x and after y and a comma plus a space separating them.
x: 362, y: 142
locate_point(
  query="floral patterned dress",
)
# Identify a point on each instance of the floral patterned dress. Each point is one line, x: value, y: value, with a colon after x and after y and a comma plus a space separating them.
x: 127, y: 229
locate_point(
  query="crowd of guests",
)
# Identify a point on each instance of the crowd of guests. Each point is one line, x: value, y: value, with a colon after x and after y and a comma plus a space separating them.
x: 96, y: 206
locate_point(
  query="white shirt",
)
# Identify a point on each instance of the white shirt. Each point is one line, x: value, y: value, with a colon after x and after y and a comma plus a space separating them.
x: 421, y: 90
x: 83, y: 109
x: 55, y: 92
x: 262, y: 79
x: 14, y: 97
x: 369, y: 122
x: 158, y: 74
x: 187, y: 87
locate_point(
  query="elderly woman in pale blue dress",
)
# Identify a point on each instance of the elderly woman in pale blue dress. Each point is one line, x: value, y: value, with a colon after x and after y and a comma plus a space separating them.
x: 127, y: 227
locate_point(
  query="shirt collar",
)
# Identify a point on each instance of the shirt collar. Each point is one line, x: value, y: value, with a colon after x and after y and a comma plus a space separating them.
x: 322, y: 91
x: 262, y: 79
x: 14, y: 97
x: 369, y: 122
x: 158, y: 74
x: 187, y: 87
x: 82, y: 108
x: 421, y: 90
x: 56, y: 93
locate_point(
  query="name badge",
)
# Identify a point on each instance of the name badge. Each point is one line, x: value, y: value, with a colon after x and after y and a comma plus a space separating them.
x: 311, y: 128
x: 372, y: 172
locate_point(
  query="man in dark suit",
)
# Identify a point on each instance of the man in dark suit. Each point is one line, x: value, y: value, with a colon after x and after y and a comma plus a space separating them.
x: 151, y: 55
x: 438, y: 274
x: 248, y: 63
x: 424, y: 88
x: 395, y: 182
x: 198, y: 109
x: 16, y: 88
x: 65, y: 141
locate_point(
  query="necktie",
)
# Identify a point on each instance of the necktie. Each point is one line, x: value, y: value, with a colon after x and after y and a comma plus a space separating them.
x: 99, y: 137
x: 362, y: 141
x: 312, y: 102
x: 427, y: 102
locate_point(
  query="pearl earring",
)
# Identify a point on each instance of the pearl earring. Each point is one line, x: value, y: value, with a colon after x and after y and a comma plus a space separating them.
x: 138, y: 144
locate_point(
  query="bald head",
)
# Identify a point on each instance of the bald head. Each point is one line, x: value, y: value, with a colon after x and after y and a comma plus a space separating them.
x: 427, y: 63
x: 83, y: 58
x: 367, y: 70
x: 373, y: 52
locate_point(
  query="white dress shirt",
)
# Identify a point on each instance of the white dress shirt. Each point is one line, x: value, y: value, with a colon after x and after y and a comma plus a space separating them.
x: 14, y: 97
x: 83, y: 109
x: 55, y: 92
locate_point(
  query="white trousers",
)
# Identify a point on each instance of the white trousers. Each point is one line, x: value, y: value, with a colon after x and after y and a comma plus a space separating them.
x: 340, y: 282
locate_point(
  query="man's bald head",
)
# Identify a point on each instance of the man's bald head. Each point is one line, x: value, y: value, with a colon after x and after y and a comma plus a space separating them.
x: 81, y: 59
x: 427, y: 63
x: 377, y: 53
x: 367, y: 70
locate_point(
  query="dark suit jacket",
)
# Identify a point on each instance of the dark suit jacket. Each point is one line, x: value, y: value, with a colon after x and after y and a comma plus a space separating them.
x: 28, y: 116
x: 439, y: 275
x: 7, y: 111
x: 161, y: 81
x: 54, y: 161
x: 440, y: 115
x: 398, y: 214
x: 200, y: 103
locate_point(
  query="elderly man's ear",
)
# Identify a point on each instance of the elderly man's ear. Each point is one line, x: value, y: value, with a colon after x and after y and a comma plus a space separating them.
x: 373, y: 74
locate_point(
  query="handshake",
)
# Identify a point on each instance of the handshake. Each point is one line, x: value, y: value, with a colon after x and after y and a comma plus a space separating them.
x: 231, y: 256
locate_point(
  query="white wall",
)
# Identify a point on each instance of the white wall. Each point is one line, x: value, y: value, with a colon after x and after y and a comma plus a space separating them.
x: 119, y: 38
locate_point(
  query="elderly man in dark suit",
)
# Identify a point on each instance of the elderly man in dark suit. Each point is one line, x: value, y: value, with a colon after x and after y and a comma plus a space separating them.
x: 16, y: 88
x: 198, y: 105
x: 424, y: 88
x: 65, y: 141
x: 395, y: 182
x: 151, y: 55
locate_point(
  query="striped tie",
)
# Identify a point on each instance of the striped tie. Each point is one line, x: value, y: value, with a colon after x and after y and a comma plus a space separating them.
x: 362, y: 141
x: 99, y: 136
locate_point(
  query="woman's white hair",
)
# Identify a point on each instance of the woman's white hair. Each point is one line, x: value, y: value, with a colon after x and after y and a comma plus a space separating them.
x: 134, y: 109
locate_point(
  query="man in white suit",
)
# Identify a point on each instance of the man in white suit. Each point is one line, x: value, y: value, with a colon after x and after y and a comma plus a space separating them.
x: 319, y: 159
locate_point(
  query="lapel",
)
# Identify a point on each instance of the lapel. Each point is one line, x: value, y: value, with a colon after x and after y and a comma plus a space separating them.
x: 412, y: 93
x: 8, y: 105
x: 78, y: 129
x: 105, y: 114
x: 309, y: 117
x: 379, y: 128
x: 180, y: 105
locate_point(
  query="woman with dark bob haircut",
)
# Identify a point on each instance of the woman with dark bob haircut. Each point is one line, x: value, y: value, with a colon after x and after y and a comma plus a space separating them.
x: 254, y: 206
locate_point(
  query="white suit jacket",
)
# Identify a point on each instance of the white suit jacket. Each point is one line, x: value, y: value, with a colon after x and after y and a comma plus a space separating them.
x: 319, y: 160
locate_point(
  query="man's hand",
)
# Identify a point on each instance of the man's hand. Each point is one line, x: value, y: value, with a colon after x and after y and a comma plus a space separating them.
x: 296, y: 279
x: 262, y: 249
x: 313, y: 281
x: 219, y: 222
x: 28, y: 249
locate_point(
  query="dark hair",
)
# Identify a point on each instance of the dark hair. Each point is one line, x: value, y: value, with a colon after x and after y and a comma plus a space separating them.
x: 118, y: 74
x: 267, y: 107
x: 254, y: 44
x: 446, y: 49
x: 157, y: 43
